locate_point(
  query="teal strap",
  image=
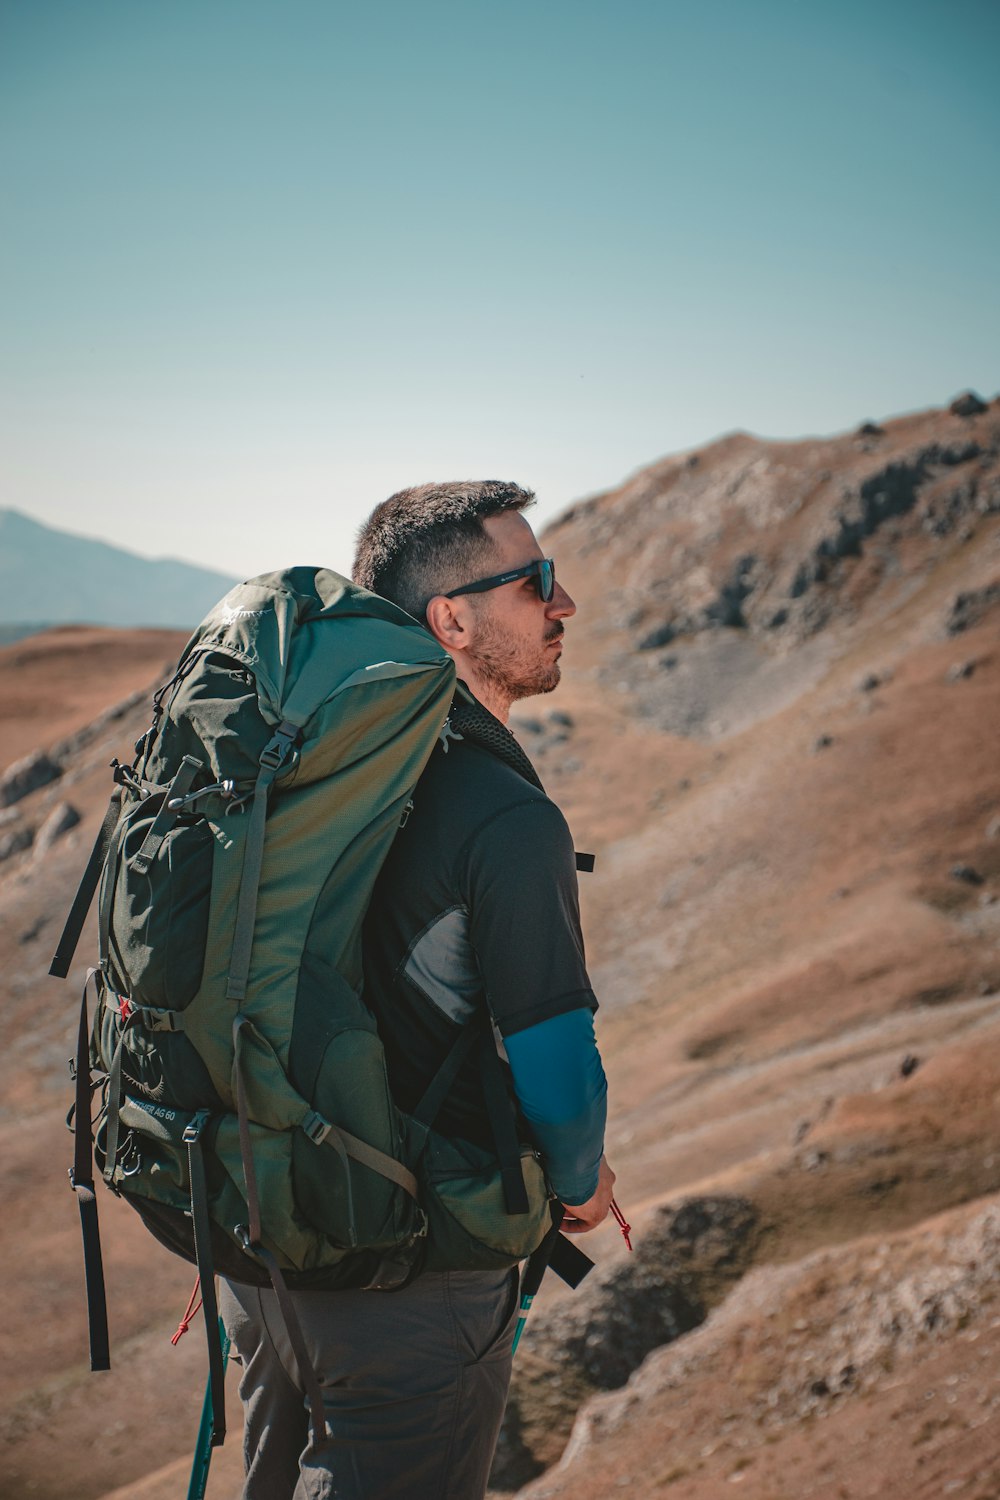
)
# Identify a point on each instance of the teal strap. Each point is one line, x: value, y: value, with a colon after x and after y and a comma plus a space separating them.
x: 198, y: 1483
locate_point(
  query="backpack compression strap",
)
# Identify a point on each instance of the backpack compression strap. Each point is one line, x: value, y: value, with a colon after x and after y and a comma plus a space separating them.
x: 81, y: 1178
x: 251, y: 1237
x: 273, y: 758
x: 63, y: 956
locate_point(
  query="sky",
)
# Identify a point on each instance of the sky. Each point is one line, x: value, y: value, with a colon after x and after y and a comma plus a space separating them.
x: 264, y: 262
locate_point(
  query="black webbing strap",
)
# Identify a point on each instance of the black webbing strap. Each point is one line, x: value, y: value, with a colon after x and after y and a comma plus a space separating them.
x: 202, y: 1226
x: 538, y: 1261
x: 556, y: 1253
x: 82, y: 1179
x: 503, y: 1124
x: 63, y: 957
x: 114, y: 1103
x: 568, y: 1261
x: 166, y: 814
x: 272, y: 759
x: 585, y: 862
x: 251, y: 1237
x: 440, y: 1085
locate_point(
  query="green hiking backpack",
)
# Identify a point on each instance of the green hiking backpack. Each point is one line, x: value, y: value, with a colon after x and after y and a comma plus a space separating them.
x: 244, y: 1107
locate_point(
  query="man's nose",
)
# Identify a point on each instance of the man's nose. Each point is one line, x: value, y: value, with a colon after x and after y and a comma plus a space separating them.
x: 561, y: 605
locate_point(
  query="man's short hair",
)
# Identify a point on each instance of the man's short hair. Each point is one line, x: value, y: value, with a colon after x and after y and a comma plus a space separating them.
x: 429, y: 539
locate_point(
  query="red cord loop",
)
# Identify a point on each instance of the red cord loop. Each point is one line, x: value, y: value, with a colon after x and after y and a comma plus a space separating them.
x: 626, y: 1229
x: 194, y: 1302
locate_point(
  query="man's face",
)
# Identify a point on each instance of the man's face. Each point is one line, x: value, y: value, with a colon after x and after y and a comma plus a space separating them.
x: 517, y: 638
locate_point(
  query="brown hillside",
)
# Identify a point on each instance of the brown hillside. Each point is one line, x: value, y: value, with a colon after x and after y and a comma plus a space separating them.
x: 778, y: 731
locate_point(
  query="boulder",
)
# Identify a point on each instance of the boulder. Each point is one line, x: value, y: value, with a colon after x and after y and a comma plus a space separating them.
x: 26, y: 776
x: 60, y: 820
x: 15, y: 840
x: 969, y: 608
x: 968, y: 404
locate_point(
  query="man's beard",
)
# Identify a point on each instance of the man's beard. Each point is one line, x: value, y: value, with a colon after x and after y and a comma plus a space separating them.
x: 510, y: 667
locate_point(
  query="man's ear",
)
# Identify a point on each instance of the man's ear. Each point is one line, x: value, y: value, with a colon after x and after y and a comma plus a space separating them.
x: 448, y: 621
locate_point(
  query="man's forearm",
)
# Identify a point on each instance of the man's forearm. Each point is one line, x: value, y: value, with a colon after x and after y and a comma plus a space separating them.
x: 561, y: 1088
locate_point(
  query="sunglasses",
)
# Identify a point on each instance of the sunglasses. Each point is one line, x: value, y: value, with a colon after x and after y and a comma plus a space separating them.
x: 542, y: 570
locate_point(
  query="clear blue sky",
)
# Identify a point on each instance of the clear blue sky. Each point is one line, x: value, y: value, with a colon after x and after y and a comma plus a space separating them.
x: 263, y: 263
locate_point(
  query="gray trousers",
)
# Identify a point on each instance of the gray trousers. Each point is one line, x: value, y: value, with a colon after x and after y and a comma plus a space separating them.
x: 414, y: 1385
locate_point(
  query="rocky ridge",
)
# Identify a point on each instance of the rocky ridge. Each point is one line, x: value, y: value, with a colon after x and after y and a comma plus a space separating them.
x: 794, y: 930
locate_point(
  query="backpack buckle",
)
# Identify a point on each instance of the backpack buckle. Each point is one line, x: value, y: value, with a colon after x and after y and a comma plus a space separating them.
x: 315, y: 1127
x: 193, y: 1130
x: 280, y: 747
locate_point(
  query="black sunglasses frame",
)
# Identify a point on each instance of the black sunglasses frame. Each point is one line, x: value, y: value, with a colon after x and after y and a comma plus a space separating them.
x: 543, y: 569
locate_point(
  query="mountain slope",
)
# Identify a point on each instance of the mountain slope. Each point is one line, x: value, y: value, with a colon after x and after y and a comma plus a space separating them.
x: 54, y: 578
x: 794, y: 931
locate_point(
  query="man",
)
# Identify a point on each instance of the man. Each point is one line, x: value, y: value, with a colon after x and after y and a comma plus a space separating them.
x: 475, y: 913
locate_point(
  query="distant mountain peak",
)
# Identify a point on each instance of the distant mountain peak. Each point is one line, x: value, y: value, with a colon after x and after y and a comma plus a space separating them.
x: 49, y: 576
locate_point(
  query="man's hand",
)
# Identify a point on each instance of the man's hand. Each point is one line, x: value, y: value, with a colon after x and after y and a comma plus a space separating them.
x: 583, y: 1216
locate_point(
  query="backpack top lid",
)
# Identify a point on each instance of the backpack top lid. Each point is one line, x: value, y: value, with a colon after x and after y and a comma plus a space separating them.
x: 269, y: 623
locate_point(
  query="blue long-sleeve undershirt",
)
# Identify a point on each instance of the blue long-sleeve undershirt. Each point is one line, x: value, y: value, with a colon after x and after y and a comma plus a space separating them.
x: 562, y: 1091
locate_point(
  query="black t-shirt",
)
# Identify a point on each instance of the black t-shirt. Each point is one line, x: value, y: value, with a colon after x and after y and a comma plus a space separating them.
x: 475, y: 908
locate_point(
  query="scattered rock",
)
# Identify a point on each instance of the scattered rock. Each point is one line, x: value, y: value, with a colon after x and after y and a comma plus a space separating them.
x: 959, y: 671
x: 815, y: 1161
x: 779, y: 618
x: 727, y: 608
x: 60, y: 820
x: 988, y: 898
x: 909, y: 1065
x: 966, y: 873
x: 563, y: 719
x: 802, y: 1129
x: 15, y: 841
x: 26, y: 776
x: 870, y: 682
x: 661, y: 636
x: 668, y: 663
x: 969, y: 608
x: 822, y: 742
x: 870, y: 429
x: 879, y: 501
x: 685, y: 1261
x: 968, y: 404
